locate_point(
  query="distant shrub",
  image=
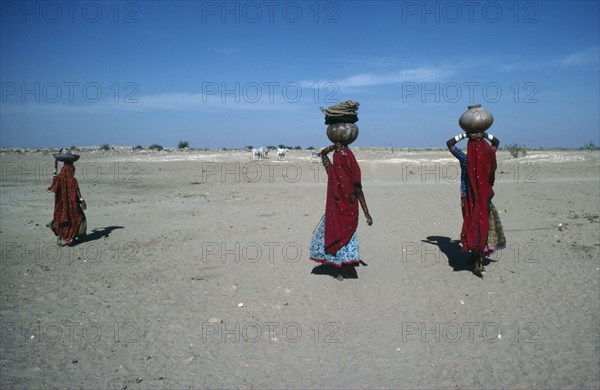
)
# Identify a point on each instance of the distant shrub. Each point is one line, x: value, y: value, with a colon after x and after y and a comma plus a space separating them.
x: 225, y: 149
x: 297, y: 147
x: 155, y: 147
x: 138, y: 147
x: 183, y: 145
x: 589, y: 146
x: 72, y: 147
x: 249, y: 147
x: 105, y: 147
x: 515, y: 150
x: 310, y: 148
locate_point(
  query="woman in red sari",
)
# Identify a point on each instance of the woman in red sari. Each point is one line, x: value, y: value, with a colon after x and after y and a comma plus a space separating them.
x: 482, y: 230
x: 334, y: 241
x: 69, y: 220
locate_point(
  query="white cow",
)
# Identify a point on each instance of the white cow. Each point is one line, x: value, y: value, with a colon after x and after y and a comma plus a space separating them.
x: 264, y: 152
x: 281, y: 152
x: 260, y: 153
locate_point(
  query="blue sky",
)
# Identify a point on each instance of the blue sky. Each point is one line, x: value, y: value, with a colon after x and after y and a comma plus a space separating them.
x: 230, y: 74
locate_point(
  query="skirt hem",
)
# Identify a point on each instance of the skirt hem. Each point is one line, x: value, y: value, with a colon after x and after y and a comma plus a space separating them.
x: 349, y: 262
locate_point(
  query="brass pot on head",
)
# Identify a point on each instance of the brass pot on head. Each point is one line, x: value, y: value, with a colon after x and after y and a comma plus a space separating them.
x: 476, y: 119
x: 344, y: 133
x: 65, y: 155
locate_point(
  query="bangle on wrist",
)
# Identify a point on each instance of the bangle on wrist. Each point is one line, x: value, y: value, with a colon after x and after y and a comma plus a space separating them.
x: 490, y: 137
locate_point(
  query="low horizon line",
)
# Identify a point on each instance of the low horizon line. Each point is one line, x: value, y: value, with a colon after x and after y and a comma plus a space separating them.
x: 298, y: 147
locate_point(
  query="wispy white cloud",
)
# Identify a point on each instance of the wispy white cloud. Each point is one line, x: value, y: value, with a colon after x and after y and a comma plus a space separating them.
x: 254, y: 97
x: 421, y: 74
x: 362, y: 63
x: 590, y: 56
x: 225, y: 50
x: 257, y: 100
x: 161, y: 102
x: 586, y: 57
x: 521, y: 65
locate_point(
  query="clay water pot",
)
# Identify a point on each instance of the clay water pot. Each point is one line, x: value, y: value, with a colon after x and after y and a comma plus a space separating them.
x: 65, y: 156
x: 476, y: 119
x: 344, y: 133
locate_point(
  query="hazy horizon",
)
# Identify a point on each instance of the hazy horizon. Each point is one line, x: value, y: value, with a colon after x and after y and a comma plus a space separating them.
x: 290, y: 147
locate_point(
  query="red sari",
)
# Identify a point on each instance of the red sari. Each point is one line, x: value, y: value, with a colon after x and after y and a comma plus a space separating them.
x: 69, y: 220
x: 341, y: 208
x: 481, y: 168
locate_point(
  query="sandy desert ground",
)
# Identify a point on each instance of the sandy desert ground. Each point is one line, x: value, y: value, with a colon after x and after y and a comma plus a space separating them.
x: 195, y: 274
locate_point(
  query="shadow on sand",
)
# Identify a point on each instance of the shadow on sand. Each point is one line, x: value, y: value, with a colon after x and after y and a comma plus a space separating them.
x: 457, y: 259
x: 97, y: 234
x: 346, y: 272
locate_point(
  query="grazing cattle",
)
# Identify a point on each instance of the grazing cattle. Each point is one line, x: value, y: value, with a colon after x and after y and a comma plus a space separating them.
x: 264, y: 152
x: 260, y: 153
x: 281, y: 152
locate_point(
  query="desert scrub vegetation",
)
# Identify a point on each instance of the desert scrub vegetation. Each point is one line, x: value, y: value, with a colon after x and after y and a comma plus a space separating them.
x: 589, y: 146
x: 516, y: 150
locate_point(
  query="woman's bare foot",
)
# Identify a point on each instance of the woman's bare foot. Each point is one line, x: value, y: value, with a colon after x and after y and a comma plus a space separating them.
x: 478, y: 267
